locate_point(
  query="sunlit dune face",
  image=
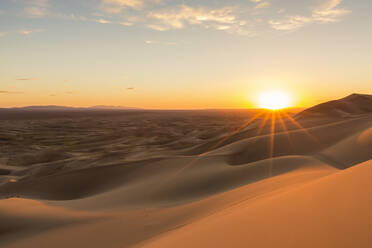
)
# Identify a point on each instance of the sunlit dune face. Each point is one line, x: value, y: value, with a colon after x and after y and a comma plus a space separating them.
x: 274, y: 100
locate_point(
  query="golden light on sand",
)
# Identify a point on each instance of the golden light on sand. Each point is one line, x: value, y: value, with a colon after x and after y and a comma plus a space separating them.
x: 274, y: 100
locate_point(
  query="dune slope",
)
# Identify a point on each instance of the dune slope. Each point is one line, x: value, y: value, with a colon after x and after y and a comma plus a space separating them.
x: 127, y: 228
x: 21, y: 218
x: 331, y: 212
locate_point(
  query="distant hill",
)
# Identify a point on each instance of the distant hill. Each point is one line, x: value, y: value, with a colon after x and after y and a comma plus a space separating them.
x: 355, y: 104
x: 48, y: 107
x: 113, y: 107
x: 64, y: 108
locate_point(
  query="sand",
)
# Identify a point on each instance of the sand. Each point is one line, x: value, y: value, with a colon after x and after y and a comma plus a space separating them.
x: 188, y: 178
x: 334, y: 211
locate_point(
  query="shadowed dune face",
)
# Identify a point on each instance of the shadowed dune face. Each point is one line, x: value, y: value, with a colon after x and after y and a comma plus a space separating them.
x: 4, y: 172
x: 365, y: 139
x: 352, y: 150
x: 162, y: 183
x: 21, y: 218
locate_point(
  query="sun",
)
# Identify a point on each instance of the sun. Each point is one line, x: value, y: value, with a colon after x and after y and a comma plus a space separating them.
x: 274, y: 100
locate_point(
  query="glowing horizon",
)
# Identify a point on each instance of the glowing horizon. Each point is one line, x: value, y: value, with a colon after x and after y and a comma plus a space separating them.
x: 182, y: 54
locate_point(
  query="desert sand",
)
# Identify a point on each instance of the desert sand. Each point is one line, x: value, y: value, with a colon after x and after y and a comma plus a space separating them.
x: 247, y: 178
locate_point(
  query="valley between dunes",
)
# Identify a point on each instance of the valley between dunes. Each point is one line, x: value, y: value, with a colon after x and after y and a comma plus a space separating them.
x: 273, y: 180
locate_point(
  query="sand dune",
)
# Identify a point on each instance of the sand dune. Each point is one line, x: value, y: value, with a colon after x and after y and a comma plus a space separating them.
x: 300, y: 142
x: 21, y: 218
x: 202, y: 179
x: 182, y: 180
x: 331, y: 212
x: 355, y: 104
x: 190, y: 178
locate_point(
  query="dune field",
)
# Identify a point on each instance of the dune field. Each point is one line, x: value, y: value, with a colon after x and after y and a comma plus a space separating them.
x: 208, y: 178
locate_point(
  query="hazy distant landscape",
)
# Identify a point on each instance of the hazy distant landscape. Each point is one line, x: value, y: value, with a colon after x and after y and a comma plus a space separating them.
x: 74, y: 139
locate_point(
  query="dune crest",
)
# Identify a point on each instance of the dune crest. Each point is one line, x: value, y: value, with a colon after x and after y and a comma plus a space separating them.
x: 354, y: 104
x: 366, y: 137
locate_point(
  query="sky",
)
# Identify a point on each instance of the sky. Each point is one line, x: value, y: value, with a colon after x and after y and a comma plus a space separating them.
x: 182, y: 54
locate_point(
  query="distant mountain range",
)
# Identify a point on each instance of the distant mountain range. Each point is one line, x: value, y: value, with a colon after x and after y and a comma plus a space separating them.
x: 355, y: 104
x: 64, y: 108
x: 114, y: 107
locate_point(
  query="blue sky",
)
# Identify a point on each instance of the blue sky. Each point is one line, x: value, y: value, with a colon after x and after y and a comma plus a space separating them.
x: 182, y: 54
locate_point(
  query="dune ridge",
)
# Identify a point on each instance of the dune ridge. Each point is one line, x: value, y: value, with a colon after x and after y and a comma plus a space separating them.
x: 354, y: 104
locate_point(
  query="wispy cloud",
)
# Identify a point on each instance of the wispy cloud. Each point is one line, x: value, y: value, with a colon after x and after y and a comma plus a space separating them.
x: 70, y: 17
x: 36, y: 8
x: 327, y: 12
x: 2, y: 34
x: 175, y: 17
x: 261, y: 4
x: 103, y: 21
x: 178, y: 18
x: 290, y: 22
x: 117, y: 6
x: 30, y: 31
x: 24, y: 79
x: 243, y: 18
x: 131, y: 88
x: 154, y: 42
x: 10, y: 92
x: 128, y: 24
